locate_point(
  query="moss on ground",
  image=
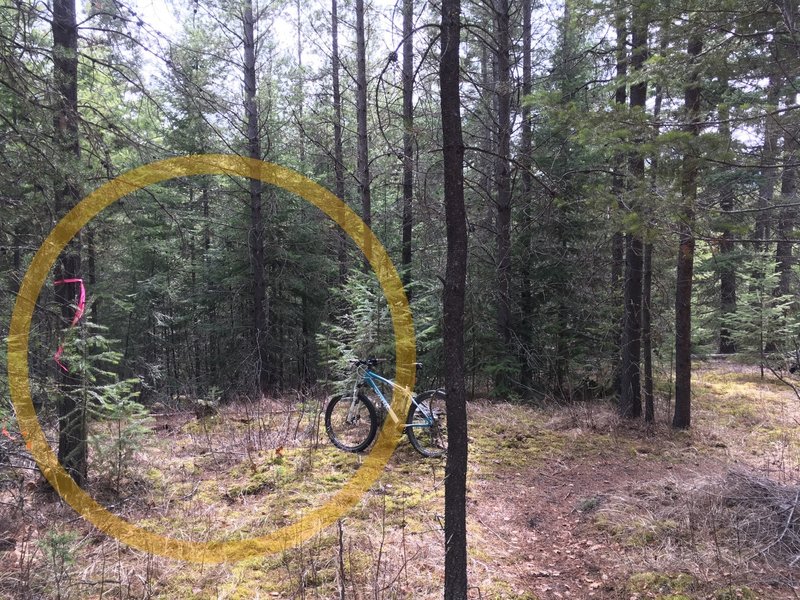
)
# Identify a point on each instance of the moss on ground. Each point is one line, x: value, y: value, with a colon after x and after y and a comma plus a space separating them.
x: 736, y: 593
x: 501, y: 590
x: 206, y: 482
x: 662, y: 586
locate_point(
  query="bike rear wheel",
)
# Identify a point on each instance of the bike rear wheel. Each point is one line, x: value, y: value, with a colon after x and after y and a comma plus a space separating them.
x: 351, y: 427
x: 426, y: 425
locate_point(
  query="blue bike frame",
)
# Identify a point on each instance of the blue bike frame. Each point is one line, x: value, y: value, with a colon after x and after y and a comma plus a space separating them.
x: 370, y: 377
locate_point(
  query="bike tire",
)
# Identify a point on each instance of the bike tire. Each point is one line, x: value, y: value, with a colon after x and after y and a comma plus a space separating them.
x: 353, y: 436
x: 430, y: 441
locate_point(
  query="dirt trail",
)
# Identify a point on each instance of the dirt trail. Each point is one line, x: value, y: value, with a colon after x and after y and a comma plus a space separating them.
x: 608, y: 513
x: 542, y: 521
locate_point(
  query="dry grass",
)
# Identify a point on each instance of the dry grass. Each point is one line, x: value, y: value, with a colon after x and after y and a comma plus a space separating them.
x: 563, y: 500
x: 754, y: 512
x: 740, y: 529
x: 245, y: 471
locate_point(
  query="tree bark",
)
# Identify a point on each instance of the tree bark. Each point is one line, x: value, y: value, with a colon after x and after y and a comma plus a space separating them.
x: 305, y: 361
x: 526, y: 162
x: 408, y: 142
x: 455, y: 530
x: 631, y: 400
x: 647, y: 284
x: 618, y: 188
x: 361, y: 118
x: 769, y: 167
x: 727, y: 272
x: 639, y: 55
x: 338, y: 152
x: 788, y: 214
x: 683, y: 286
x: 647, y: 341
x: 502, y: 170
x: 256, y: 236
x: 72, y: 430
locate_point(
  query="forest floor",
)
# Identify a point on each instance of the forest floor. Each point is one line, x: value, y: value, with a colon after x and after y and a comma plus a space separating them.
x: 564, y: 502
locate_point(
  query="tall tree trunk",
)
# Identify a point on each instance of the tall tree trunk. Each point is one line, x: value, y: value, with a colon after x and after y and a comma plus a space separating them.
x: 647, y: 338
x: 16, y: 274
x: 488, y: 135
x: 455, y: 527
x: 338, y: 153
x: 212, y: 356
x: 618, y: 185
x: 788, y: 214
x: 306, y: 359
x: 91, y: 275
x: 638, y: 100
x: 525, y: 163
x: 361, y: 117
x: 72, y: 432
x: 727, y: 271
x: 769, y: 167
x: 683, y: 285
x: 502, y: 170
x: 630, y: 400
x: 564, y: 76
x: 408, y: 140
x: 647, y: 285
x: 256, y: 237
x: 300, y: 91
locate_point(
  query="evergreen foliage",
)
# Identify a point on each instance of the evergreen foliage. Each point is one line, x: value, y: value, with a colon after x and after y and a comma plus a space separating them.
x: 169, y: 269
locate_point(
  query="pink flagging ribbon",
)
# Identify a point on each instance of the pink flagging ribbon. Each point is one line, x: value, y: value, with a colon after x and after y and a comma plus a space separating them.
x: 75, y: 319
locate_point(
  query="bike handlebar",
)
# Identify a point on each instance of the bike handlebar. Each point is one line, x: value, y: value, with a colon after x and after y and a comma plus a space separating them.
x: 371, y: 362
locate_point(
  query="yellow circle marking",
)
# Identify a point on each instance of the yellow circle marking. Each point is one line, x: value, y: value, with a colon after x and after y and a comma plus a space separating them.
x: 209, y: 164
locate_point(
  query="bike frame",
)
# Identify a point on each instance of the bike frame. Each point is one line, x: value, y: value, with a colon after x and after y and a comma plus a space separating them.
x: 369, y: 377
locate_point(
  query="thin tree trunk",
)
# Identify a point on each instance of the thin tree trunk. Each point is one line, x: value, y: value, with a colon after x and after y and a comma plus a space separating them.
x: 618, y: 187
x: 455, y: 530
x: 647, y: 285
x: 361, y: 117
x: 91, y: 276
x: 630, y: 400
x: 631, y: 332
x: 769, y: 167
x: 212, y: 356
x: 647, y: 341
x: 639, y: 99
x: 788, y: 215
x: 408, y: 141
x: 338, y: 153
x: 16, y: 273
x: 683, y: 286
x: 256, y: 238
x: 727, y: 271
x: 72, y: 432
x: 503, y: 180
x: 526, y: 162
x: 488, y: 145
x: 306, y: 358
x: 300, y: 92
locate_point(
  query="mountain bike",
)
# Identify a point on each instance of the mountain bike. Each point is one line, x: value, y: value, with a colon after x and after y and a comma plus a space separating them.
x: 352, y: 420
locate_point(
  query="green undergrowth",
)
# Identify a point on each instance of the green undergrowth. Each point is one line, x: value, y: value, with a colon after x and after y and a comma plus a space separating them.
x: 736, y: 593
x: 221, y: 478
x: 662, y: 586
x: 762, y: 415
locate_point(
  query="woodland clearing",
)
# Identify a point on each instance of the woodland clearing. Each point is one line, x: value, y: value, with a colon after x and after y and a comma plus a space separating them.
x: 564, y: 502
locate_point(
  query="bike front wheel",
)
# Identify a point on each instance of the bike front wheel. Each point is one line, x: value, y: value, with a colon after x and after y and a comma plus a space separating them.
x: 351, y: 426
x: 427, y: 423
